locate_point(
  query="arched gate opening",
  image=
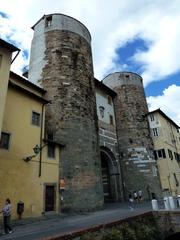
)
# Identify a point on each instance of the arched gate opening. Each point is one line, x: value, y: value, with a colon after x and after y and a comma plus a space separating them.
x: 110, y: 175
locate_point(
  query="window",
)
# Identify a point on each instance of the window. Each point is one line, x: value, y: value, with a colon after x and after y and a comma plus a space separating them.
x: 51, y: 150
x: 50, y: 136
x: 170, y: 154
x: 109, y: 100
x: 111, y: 120
x: 177, y: 156
x: 151, y: 117
x: 160, y: 153
x: 155, y: 155
x: 4, y: 141
x: 101, y: 109
x: 48, y: 21
x: 155, y: 132
x: 36, y: 118
x: 176, y: 180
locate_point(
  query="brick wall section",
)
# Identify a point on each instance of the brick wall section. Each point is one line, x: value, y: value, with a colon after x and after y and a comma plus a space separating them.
x: 135, y: 143
x: 68, y: 79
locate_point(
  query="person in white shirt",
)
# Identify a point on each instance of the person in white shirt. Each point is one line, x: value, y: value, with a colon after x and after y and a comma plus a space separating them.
x: 7, y: 216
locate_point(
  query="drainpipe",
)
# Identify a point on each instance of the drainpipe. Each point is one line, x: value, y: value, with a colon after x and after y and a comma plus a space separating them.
x: 41, y: 137
x: 15, y: 56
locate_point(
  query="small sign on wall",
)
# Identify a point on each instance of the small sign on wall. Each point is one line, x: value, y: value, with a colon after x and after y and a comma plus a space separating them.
x: 62, y: 184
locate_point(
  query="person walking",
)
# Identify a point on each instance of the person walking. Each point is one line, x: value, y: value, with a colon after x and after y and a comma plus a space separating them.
x: 7, y: 216
x: 131, y: 200
x: 135, y: 196
x: 140, y: 196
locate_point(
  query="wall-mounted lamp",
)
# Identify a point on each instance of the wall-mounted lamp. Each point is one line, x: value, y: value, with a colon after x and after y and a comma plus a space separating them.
x: 37, y: 149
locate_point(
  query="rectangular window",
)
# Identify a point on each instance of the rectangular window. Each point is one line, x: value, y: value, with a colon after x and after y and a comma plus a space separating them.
x: 161, y: 153
x: 170, y: 154
x: 155, y: 132
x: 4, y: 141
x: 176, y: 180
x: 51, y: 150
x: 109, y: 100
x: 111, y: 120
x: 151, y: 117
x: 50, y: 136
x: 48, y: 22
x: 36, y: 118
x: 155, y: 154
x: 177, y: 156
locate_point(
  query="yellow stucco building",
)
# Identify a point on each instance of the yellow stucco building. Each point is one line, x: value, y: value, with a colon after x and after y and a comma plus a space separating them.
x: 166, y: 138
x: 6, y: 51
x: 29, y: 162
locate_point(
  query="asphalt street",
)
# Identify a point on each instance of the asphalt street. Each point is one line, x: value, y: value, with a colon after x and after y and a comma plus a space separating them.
x: 60, y: 225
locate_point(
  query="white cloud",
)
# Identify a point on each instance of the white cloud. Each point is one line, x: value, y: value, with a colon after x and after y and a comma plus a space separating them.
x: 168, y: 102
x: 112, y: 24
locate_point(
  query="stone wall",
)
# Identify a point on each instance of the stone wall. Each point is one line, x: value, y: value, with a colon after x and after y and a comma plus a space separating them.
x: 68, y: 79
x: 135, y: 144
x: 61, y: 61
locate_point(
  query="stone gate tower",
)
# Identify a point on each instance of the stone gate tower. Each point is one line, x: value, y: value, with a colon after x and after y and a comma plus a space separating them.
x: 135, y: 144
x: 61, y: 61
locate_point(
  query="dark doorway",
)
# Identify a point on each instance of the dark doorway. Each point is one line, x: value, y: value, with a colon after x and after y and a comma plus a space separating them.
x: 106, y: 178
x: 49, y: 198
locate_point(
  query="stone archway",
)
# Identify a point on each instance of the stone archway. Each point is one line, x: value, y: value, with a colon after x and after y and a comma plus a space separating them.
x: 109, y: 175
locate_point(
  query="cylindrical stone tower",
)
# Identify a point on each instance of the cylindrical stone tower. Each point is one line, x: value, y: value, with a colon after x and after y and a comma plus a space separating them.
x: 61, y: 60
x: 139, y: 167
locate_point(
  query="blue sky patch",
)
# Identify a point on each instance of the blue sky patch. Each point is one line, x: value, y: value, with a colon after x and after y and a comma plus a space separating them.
x: 126, y: 53
x: 3, y: 15
x: 25, y: 54
x: 157, y: 88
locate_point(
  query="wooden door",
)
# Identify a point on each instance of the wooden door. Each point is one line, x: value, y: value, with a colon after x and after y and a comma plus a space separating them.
x: 50, y: 198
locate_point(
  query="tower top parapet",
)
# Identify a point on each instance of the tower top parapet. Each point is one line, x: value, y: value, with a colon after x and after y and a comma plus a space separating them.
x: 58, y: 21
x: 122, y: 78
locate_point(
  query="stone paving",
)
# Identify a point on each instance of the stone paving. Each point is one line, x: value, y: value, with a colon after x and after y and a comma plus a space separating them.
x: 41, y: 228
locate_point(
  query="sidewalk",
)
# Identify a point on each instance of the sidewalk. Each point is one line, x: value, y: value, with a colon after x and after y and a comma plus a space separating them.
x: 32, y: 229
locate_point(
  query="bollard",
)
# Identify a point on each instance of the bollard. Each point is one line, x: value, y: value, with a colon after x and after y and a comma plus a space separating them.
x: 166, y: 203
x: 178, y: 200
x: 154, y: 205
x: 171, y: 203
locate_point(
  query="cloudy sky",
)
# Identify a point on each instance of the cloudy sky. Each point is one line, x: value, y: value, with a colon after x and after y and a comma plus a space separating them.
x: 127, y: 35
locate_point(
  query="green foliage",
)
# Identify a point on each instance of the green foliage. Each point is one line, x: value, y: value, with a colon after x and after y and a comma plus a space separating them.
x: 128, y: 232
x: 91, y: 236
x: 113, y: 234
x: 142, y: 229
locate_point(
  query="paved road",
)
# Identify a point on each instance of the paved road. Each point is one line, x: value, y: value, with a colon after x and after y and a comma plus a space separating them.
x: 65, y: 224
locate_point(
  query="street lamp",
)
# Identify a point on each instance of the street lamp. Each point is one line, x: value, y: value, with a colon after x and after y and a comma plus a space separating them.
x: 37, y: 149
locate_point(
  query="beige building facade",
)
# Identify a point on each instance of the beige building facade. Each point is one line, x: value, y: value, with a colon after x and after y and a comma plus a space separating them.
x: 166, y: 138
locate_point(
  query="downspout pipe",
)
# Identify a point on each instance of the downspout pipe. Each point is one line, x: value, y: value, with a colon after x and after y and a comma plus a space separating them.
x: 15, y: 56
x: 41, y: 138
